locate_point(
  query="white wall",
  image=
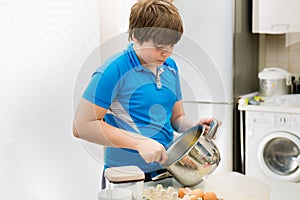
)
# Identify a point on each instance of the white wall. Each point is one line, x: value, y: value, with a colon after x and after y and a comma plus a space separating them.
x: 114, y: 17
x: 43, y: 45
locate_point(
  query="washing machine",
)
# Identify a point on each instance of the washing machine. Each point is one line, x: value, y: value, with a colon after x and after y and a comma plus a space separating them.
x: 272, y: 140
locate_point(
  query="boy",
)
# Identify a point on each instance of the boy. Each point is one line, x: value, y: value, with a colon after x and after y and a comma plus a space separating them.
x: 133, y: 102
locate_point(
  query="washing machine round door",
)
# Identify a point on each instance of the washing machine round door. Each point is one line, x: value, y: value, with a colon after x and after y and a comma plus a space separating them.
x: 279, y: 156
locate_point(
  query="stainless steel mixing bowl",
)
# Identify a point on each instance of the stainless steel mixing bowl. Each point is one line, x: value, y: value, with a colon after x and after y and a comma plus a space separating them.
x: 193, y: 155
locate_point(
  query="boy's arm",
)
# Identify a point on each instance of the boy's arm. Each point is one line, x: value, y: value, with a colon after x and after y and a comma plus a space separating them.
x: 179, y: 120
x: 182, y: 123
x: 88, y: 124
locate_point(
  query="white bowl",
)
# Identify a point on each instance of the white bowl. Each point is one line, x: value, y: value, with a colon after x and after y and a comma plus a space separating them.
x: 116, y: 193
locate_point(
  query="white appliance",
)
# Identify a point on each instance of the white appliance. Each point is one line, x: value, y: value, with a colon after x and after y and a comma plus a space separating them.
x: 272, y: 139
x: 204, y: 56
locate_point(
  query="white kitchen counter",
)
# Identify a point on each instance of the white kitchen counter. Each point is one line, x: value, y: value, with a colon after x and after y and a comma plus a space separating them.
x: 262, y: 108
x: 285, y: 103
x: 280, y: 190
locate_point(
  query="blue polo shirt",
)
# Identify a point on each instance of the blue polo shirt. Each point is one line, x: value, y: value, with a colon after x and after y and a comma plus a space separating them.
x: 137, y: 100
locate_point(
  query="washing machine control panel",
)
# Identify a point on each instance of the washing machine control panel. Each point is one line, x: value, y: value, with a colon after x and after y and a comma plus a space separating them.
x: 280, y: 121
x: 287, y: 121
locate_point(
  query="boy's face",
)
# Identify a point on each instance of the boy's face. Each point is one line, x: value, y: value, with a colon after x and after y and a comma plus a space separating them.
x: 152, y: 55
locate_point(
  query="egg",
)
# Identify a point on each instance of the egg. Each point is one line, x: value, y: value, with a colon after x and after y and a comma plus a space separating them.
x: 197, y: 193
x: 180, y: 192
x: 193, y: 198
x: 210, y: 196
x: 183, y: 191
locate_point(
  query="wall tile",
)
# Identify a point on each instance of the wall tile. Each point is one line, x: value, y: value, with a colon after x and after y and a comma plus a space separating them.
x: 279, y: 54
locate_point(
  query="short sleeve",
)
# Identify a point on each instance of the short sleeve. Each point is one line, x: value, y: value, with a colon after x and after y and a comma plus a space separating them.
x: 102, y: 88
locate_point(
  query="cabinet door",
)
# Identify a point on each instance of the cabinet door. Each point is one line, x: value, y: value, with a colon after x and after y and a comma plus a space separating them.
x: 276, y: 16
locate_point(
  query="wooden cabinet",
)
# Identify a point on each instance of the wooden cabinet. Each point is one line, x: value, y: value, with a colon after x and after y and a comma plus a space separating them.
x: 276, y: 16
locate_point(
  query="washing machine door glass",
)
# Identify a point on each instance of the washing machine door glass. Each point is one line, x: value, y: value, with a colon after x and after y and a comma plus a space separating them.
x: 281, y: 155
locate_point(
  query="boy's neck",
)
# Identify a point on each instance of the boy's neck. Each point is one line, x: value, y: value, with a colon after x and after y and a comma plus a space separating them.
x: 152, y: 67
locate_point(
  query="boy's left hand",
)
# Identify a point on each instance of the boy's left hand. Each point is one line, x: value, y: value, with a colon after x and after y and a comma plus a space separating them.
x: 206, y: 122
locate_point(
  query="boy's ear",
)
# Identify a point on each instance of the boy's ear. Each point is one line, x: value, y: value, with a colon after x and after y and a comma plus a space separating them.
x: 134, y: 39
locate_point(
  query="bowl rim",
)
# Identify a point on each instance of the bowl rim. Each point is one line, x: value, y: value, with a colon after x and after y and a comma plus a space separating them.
x: 198, y: 129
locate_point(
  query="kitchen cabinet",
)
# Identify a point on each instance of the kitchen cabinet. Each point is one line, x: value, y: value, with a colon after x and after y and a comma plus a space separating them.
x: 275, y: 16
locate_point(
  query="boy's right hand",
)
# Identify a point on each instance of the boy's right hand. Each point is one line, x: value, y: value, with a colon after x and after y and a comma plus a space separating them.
x: 152, y: 151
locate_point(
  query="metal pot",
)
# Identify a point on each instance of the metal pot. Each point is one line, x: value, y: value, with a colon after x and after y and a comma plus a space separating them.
x: 274, y: 81
x: 193, y: 155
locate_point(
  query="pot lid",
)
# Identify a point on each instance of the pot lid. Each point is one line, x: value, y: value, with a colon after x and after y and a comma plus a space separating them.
x: 273, y: 73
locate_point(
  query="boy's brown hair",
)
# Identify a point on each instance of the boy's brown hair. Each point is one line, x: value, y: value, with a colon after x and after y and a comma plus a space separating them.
x: 156, y: 20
